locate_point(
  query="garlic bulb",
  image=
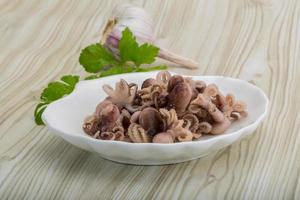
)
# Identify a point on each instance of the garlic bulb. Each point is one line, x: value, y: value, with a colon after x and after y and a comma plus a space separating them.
x: 141, y: 24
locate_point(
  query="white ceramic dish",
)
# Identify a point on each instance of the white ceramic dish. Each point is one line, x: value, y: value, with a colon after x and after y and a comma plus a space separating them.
x: 65, y: 116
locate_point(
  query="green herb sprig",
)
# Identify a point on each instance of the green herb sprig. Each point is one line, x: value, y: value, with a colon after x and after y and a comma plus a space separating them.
x: 100, y: 62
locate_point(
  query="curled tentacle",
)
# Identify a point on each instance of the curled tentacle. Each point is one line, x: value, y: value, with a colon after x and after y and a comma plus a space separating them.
x: 150, y: 95
x: 220, y: 102
x: 185, y: 136
x: 239, y: 106
x: 203, y: 128
x: 169, y: 117
x: 180, y: 133
x: 119, y: 131
x: 137, y: 134
x: 197, y: 86
x: 158, y: 96
x: 145, y: 95
x: 200, y: 102
x: 194, y: 108
x: 234, y: 107
x: 191, y: 122
x: 203, y: 115
x: 91, y: 125
x: 234, y: 116
x: 216, y: 114
x: 211, y: 90
x: 124, y: 119
x: 197, y: 135
x: 107, y: 136
x: 230, y: 99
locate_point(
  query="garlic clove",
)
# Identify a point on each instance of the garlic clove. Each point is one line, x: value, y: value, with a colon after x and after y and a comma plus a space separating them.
x: 127, y: 15
x: 180, y: 60
x: 142, y: 26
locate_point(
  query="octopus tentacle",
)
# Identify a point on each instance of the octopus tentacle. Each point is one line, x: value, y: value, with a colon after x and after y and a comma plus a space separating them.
x: 137, y: 134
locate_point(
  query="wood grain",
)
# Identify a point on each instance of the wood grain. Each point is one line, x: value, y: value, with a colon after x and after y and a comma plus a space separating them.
x: 256, y: 40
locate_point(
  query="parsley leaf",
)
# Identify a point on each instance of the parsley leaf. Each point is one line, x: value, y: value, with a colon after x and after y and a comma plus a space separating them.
x: 58, y: 89
x: 131, y: 51
x: 153, y: 68
x: 95, y: 57
x: 113, y: 71
x: 123, y: 70
x: 91, y: 77
x: 38, y: 113
x: 117, y: 70
x: 54, y: 91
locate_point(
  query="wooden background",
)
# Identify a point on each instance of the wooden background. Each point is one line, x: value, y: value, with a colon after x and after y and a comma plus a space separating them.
x: 256, y: 40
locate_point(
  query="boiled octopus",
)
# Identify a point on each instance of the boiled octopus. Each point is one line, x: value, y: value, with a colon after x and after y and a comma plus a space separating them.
x: 166, y: 109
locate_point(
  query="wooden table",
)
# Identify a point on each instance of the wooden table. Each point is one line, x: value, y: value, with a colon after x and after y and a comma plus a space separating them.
x: 255, y: 40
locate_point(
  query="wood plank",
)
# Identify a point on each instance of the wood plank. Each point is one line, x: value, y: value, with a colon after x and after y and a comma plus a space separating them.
x: 255, y: 40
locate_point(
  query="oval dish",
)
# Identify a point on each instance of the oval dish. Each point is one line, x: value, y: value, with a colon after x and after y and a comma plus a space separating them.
x: 64, y: 118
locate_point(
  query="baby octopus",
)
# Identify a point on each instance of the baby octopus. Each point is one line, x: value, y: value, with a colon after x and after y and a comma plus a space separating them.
x: 166, y: 109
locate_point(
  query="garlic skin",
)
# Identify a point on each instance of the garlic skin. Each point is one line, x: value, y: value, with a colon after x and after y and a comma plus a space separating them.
x: 142, y: 26
x: 137, y: 19
x: 127, y: 15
